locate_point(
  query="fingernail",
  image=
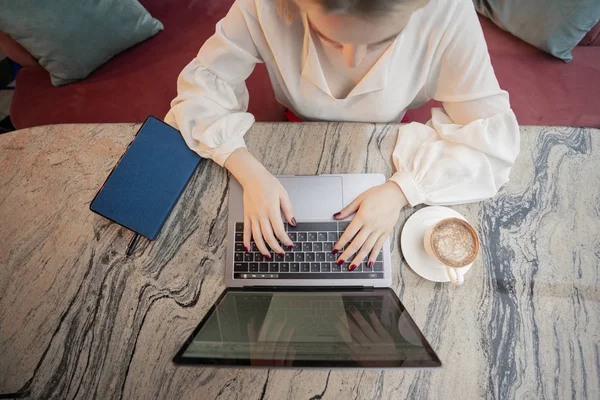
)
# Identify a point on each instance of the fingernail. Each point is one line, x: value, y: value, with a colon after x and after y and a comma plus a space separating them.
x: 337, y: 214
x: 293, y: 221
x: 352, y: 267
x: 335, y: 251
x: 370, y: 264
x: 291, y: 246
x: 268, y: 257
x: 340, y: 262
x: 247, y: 249
x: 281, y: 254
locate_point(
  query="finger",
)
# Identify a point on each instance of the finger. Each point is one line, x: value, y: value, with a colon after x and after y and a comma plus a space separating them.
x: 272, y: 337
x: 258, y: 238
x: 349, y: 209
x: 356, y: 244
x: 264, y: 330
x: 252, y: 338
x: 347, y: 337
x: 365, y: 249
x: 277, y: 224
x: 377, y: 325
x: 357, y: 333
x: 275, y: 332
x: 344, y: 332
x: 247, y: 234
x: 267, y: 231
x: 251, y: 332
x: 348, y: 234
x: 376, y: 250
x: 365, y: 327
x: 284, y: 343
x: 286, y: 208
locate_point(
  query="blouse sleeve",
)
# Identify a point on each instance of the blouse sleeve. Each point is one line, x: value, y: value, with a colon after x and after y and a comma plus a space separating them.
x: 210, y: 109
x: 465, y: 152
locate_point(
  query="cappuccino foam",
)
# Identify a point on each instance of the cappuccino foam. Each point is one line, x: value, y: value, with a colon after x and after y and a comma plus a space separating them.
x: 454, y: 243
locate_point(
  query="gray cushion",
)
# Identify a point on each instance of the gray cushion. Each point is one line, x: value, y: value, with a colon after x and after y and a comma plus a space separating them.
x: 71, y: 38
x: 555, y: 26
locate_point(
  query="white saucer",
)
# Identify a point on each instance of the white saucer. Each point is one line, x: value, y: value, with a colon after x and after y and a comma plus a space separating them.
x: 411, y: 242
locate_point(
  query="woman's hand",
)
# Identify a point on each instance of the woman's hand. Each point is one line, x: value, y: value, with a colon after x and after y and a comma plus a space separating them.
x: 272, y: 346
x: 377, y: 211
x: 264, y: 199
x: 366, y: 340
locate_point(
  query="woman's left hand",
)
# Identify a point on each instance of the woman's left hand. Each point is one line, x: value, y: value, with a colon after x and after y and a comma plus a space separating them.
x: 377, y: 211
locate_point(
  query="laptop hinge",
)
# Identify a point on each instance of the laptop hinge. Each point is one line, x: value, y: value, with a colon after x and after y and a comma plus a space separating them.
x: 308, y: 288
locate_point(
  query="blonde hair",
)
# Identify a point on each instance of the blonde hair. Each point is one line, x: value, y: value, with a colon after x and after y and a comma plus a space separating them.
x: 288, y: 10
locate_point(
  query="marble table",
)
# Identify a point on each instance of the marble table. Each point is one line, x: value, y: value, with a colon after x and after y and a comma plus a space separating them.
x: 80, y: 320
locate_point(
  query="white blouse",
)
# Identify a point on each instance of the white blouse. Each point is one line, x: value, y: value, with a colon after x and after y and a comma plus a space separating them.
x: 463, y: 154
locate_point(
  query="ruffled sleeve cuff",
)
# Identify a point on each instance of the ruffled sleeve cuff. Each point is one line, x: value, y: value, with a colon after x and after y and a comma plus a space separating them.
x: 221, y: 154
x: 408, y: 185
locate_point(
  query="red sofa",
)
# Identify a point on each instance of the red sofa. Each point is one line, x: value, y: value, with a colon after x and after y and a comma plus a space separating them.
x: 141, y: 81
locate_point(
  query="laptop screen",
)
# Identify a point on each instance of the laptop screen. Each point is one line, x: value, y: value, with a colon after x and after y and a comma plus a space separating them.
x: 363, y: 328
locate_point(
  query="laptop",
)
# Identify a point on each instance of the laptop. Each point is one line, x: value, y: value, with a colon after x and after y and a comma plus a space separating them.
x: 303, y: 310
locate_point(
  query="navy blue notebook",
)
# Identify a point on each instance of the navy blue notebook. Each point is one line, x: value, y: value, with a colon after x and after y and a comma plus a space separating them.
x: 146, y: 183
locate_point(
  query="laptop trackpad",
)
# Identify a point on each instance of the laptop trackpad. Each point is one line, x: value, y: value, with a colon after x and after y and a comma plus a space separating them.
x: 314, y: 197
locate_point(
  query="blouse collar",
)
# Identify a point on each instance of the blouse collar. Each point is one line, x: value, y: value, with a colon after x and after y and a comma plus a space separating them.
x: 375, y: 79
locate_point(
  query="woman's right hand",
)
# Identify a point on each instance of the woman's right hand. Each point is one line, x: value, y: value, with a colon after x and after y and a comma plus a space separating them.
x: 264, y: 200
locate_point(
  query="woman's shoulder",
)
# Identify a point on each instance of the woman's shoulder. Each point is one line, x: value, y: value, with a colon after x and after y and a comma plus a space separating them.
x: 268, y: 15
x: 439, y: 16
x: 447, y: 9
x: 256, y: 7
x: 449, y: 5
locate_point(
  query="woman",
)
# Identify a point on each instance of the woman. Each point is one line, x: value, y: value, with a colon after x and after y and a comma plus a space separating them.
x: 354, y: 60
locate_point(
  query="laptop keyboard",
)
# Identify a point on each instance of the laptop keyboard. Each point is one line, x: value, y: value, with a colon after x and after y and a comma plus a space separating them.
x: 311, y: 257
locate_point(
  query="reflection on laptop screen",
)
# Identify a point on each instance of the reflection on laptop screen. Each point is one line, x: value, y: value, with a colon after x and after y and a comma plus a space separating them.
x: 329, y: 329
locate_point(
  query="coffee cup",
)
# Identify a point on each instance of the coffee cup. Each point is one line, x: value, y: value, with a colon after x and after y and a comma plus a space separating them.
x: 453, y: 243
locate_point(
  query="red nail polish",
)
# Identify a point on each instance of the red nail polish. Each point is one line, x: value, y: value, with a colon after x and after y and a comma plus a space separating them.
x: 291, y: 246
x: 340, y: 262
x: 293, y: 221
x: 268, y: 257
x: 247, y: 249
x: 370, y: 264
x: 337, y: 214
x: 281, y: 254
x: 352, y: 267
x: 335, y: 251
